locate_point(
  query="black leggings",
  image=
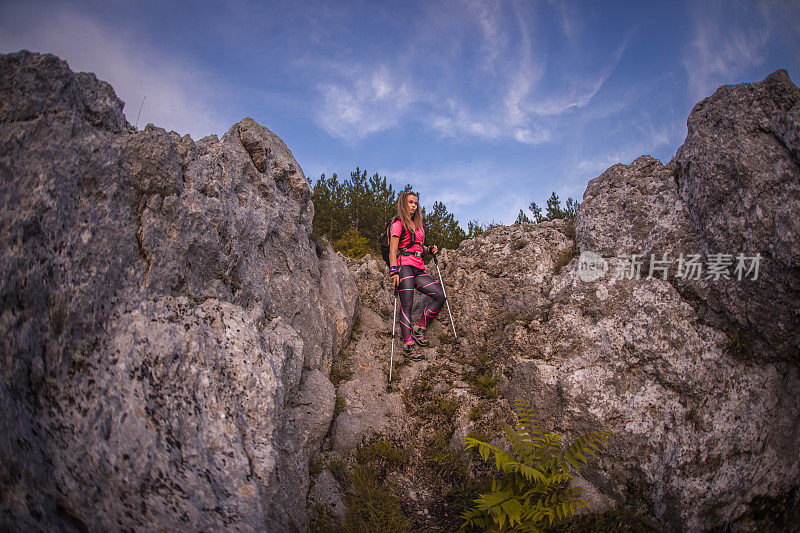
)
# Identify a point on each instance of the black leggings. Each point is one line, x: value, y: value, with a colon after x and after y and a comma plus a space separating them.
x: 415, y: 278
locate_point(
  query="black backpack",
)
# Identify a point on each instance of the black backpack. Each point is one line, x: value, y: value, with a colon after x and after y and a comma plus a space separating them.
x: 384, y: 240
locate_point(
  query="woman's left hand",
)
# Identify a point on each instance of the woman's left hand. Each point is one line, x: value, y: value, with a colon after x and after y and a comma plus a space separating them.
x: 433, y: 249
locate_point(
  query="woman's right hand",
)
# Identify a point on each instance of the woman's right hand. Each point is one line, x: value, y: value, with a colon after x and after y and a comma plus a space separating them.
x: 396, y: 278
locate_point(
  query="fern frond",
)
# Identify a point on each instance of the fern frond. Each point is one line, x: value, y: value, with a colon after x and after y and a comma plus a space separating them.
x: 534, y: 484
x: 485, y: 449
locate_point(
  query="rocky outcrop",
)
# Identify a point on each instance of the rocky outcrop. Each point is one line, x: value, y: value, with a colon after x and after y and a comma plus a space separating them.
x: 739, y: 174
x: 696, y: 379
x: 731, y: 189
x: 167, y: 323
x: 176, y: 347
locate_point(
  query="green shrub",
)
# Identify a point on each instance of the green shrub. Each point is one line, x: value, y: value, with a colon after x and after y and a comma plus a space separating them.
x: 460, y: 497
x: 381, y: 453
x: 316, y: 465
x: 340, y: 373
x: 477, y: 411
x: 444, y: 463
x: 482, y: 433
x: 446, y: 407
x: 353, y: 244
x: 371, y: 507
x: 532, y: 487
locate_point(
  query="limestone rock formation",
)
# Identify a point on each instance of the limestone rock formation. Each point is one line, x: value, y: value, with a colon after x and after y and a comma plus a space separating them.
x: 176, y: 347
x: 696, y: 379
x: 167, y: 323
x: 731, y: 189
x: 702, y: 426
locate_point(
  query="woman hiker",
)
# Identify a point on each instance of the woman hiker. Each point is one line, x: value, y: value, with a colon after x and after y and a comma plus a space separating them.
x: 407, y: 270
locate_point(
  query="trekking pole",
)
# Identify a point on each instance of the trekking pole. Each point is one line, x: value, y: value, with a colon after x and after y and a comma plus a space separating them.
x: 446, y: 301
x: 391, y: 357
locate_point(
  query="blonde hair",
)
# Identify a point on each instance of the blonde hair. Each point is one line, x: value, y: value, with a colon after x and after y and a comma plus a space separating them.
x: 404, y: 215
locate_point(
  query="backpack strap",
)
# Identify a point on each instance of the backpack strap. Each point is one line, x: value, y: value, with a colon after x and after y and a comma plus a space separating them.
x: 411, y: 242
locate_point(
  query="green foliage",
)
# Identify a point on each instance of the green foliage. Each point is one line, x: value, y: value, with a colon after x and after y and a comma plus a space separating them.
x: 446, y: 407
x: 554, y: 209
x: 481, y: 377
x: 339, y: 406
x: 320, y: 520
x: 461, y: 497
x: 474, y: 229
x: 330, y: 208
x: 365, y: 204
x: 477, y: 411
x: 371, y: 505
x: 619, y: 520
x: 381, y: 454
x: 533, y: 484
x: 737, y: 344
x: 445, y: 463
x: 522, y: 218
x: 315, y: 466
x: 340, y: 373
x: 564, y: 257
x: 441, y: 227
x: 485, y: 385
x: 481, y: 432
x: 338, y: 469
x: 353, y: 244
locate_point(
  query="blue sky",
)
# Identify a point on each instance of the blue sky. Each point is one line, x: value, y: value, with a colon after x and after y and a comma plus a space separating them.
x: 484, y: 105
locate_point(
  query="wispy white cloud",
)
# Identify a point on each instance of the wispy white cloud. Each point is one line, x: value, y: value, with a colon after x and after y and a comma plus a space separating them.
x: 721, y: 49
x: 358, y: 99
x: 528, y: 109
x: 469, y: 189
x: 363, y: 103
x: 178, y: 93
x: 569, y: 19
x: 489, y: 14
x: 648, y: 138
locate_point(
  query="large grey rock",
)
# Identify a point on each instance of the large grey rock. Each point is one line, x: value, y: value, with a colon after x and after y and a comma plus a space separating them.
x: 634, y: 209
x: 166, y: 321
x: 733, y: 188
x: 700, y: 432
x: 739, y: 175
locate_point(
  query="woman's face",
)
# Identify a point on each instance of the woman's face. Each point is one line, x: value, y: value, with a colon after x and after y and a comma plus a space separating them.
x: 412, y: 203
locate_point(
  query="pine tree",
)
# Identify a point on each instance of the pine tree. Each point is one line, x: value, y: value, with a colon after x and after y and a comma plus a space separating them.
x: 441, y: 227
x: 554, y: 210
x: 366, y: 204
x: 474, y: 229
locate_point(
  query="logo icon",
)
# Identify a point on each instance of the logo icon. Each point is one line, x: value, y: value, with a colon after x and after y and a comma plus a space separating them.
x: 591, y: 266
